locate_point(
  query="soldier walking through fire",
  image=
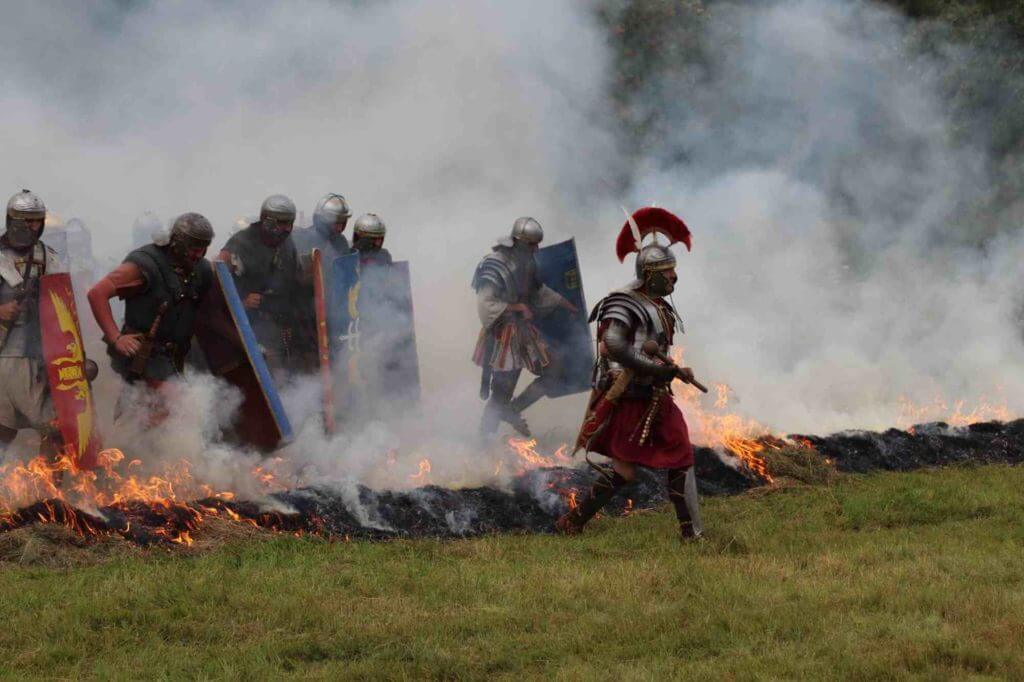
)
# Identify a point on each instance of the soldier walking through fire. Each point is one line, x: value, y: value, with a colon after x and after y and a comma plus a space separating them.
x: 25, y: 400
x: 632, y: 417
x: 509, y: 295
x: 265, y: 266
x: 162, y: 284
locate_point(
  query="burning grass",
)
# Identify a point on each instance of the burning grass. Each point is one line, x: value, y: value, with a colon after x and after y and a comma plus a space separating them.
x: 885, y: 576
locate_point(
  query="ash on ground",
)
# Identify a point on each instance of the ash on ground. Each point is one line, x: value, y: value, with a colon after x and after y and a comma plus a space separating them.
x: 533, y: 501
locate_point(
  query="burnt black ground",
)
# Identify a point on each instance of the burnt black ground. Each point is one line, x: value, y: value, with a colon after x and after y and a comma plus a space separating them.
x: 534, y: 500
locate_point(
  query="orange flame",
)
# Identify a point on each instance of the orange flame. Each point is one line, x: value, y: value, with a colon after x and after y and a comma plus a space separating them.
x: 423, y: 475
x: 959, y: 413
x: 742, y: 438
x: 525, y: 450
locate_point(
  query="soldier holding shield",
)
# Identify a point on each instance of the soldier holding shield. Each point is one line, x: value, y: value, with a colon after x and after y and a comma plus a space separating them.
x: 265, y: 266
x: 327, y: 233
x: 509, y: 296
x: 25, y: 400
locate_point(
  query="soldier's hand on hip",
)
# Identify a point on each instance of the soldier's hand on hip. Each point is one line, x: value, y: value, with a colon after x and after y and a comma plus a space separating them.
x: 253, y: 301
x: 568, y: 305
x: 9, y: 311
x: 128, y: 344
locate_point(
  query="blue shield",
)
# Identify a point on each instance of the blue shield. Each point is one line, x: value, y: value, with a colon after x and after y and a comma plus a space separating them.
x: 390, y: 361
x: 343, y: 289
x: 568, y: 334
x: 232, y: 352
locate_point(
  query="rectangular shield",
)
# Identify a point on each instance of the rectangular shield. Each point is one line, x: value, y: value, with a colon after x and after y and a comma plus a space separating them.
x: 568, y: 334
x: 232, y: 353
x: 387, y: 324
x: 65, y: 369
x: 343, y: 328
x: 323, y: 340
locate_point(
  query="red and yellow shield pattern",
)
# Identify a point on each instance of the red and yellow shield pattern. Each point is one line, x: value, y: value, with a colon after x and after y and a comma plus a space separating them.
x: 65, y: 368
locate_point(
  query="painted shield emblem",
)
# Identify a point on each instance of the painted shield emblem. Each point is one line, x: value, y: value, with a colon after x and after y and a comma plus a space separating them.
x: 65, y: 367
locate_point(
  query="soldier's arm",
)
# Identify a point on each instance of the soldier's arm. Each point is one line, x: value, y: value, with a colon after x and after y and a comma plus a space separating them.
x: 126, y: 280
x: 617, y: 343
x: 489, y: 305
x: 546, y: 300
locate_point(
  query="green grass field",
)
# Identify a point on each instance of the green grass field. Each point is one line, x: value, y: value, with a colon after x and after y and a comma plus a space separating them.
x: 888, y: 576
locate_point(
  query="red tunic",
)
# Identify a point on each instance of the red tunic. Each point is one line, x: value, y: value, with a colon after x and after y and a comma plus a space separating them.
x: 669, y: 446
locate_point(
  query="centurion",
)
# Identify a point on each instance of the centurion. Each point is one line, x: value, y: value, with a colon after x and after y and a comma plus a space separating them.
x: 631, y: 417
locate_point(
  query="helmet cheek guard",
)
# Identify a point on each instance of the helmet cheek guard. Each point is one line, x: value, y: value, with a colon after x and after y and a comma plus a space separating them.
x: 191, y: 234
x: 332, y: 213
x: 25, y: 221
x: 277, y: 216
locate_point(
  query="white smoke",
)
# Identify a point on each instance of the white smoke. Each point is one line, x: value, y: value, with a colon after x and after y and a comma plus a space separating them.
x: 820, y: 180
x: 834, y: 270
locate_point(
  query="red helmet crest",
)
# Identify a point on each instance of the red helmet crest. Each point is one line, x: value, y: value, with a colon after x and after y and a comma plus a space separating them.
x: 650, y: 220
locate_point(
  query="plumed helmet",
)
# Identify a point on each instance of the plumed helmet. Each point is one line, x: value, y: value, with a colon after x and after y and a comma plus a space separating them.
x: 278, y: 207
x: 652, y: 258
x: 370, y: 225
x: 527, y: 230
x: 193, y: 226
x: 26, y: 204
x: 331, y: 209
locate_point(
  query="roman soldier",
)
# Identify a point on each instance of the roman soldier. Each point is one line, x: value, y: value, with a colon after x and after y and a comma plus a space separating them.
x: 162, y: 284
x: 25, y: 400
x: 327, y: 233
x: 368, y: 239
x: 632, y: 417
x: 509, y: 296
x: 265, y: 265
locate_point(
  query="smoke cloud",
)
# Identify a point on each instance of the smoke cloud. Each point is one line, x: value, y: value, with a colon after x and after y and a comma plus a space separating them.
x: 810, y: 149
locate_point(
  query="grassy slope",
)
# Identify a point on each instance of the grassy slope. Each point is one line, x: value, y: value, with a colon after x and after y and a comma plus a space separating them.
x: 907, y: 575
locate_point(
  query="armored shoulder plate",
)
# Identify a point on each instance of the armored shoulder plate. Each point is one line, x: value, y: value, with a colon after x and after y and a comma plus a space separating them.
x: 494, y: 269
x: 621, y: 306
